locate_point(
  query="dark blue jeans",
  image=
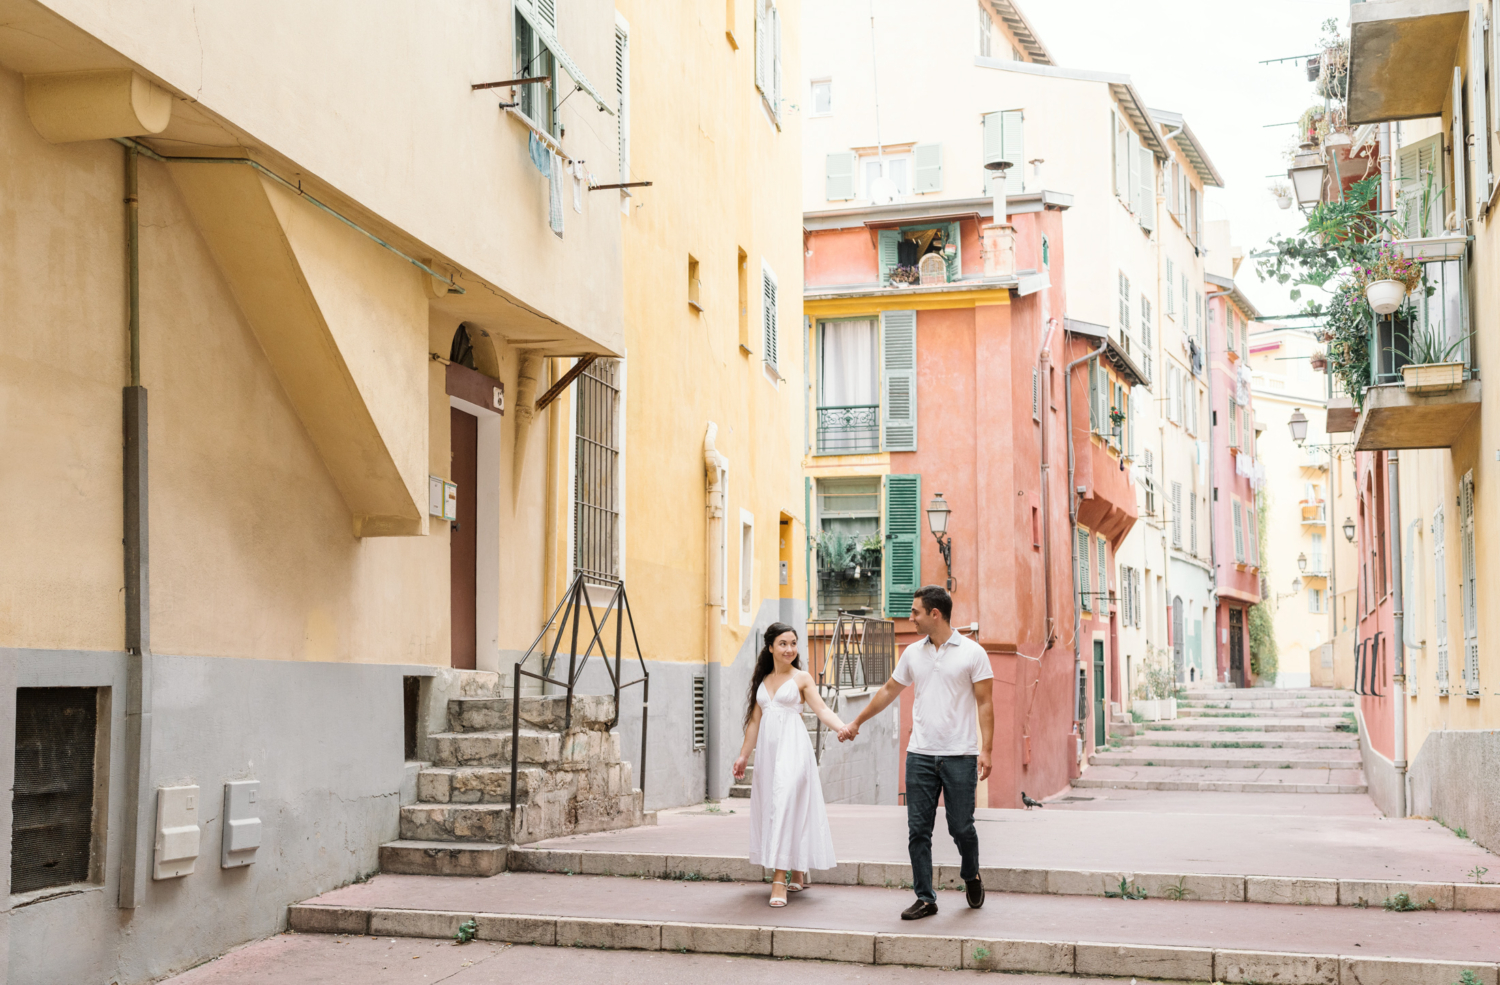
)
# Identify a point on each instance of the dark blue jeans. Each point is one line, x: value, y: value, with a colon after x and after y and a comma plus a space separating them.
x: 955, y: 777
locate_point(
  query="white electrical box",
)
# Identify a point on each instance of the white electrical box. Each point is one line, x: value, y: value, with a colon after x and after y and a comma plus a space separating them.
x: 450, y: 501
x: 177, y: 832
x: 241, y: 823
x: 442, y: 498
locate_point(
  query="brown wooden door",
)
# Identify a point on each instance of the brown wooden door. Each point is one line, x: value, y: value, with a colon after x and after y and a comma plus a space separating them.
x: 1237, y: 647
x: 462, y: 545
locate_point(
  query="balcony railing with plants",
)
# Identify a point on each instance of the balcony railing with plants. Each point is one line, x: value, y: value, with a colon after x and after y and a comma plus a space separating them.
x: 849, y: 573
x: 851, y: 430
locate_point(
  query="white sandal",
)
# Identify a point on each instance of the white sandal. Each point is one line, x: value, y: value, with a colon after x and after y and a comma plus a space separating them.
x: 774, y: 900
x: 797, y: 887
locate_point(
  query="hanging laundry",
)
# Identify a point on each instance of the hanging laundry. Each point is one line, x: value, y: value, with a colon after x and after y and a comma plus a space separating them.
x: 576, y: 170
x: 540, y: 156
x: 555, y: 195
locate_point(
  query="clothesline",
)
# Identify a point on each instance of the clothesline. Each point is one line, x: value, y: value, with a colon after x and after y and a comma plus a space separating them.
x: 542, y: 135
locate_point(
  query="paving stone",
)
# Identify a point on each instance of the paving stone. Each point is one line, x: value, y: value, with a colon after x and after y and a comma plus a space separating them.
x: 889, y: 874
x: 1270, y: 968
x: 728, y: 868
x: 825, y: 945
x: 1081, y: 882
x: 1351, y: 891
x: 998, y: 880
x: 917, y: 949
x: 1222, y: 889
x: 516, y: 929
x: 622, y: 864
x: 844, y: 874
x: 624, y: 935
x: 1397, y: 971
x: 1047, y: 957
x: 313, y: 919
x: 1470, y: 896
x: 1300, y: 892
x: 416, y: 923
x: 1143, y: 960
x: 715, y: 938
x: 544, y: 860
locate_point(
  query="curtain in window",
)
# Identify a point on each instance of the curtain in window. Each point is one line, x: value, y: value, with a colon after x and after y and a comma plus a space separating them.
x: 848, y: 364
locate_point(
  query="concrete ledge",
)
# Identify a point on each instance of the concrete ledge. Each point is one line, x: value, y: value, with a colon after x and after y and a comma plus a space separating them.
x: 1014, y: 880
x: 616, y: 935
x: 844, y: 874
x: 622, y: 864
x: 439, y: 858
x: 1220, y: 889
x: 1270, y: 968
x: 1352, y: 892
x: 715, y: 938
x: 313, y: 919
x: 891, y: 875
x: 914, y: 949
x: 1083, y: 882
x: 416, y: 923
x: 515, y: 929
x: 823, y: 945
x: 728, y: 868
x: 1476, y: 897
x: 1398, y: 971
x: 1048, y: 957
x: 1144, y: 960
x: 1298, y: 892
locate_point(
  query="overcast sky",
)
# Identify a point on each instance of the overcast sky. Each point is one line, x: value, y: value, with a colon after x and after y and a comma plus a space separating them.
x: 1202, y: 58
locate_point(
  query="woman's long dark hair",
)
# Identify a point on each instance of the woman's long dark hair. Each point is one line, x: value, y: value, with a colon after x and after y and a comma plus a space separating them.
x: 765, y: 663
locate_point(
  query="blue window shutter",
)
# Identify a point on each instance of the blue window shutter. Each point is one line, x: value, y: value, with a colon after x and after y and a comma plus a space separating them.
x: 888, y: 240
x: 955, y: 267
x: 1010, y: 133
x: 927, y: 162
x: 898, y: 331
x: 840, y: 176
x: 1085, y: 571
x: 903, y: 543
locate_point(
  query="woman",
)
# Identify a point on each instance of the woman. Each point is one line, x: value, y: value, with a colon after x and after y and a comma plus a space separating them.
x: 788, y: 824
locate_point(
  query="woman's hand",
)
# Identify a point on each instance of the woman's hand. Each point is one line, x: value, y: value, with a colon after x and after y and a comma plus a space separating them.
x: 739, y: 767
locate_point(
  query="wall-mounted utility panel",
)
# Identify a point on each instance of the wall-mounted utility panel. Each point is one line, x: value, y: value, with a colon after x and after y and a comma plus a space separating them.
x: 241, y: 823
x: 177, y: 832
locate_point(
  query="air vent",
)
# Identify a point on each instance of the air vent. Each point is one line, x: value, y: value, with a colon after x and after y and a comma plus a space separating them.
x: 700, y: 713
x: 52, y: 815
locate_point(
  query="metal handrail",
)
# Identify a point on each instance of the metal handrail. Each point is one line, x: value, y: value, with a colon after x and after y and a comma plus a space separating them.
x: 847, y: 659
x: 574, y: 602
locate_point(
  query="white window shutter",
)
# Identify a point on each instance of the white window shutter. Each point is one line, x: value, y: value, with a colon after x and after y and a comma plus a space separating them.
x: 1114, y: 150
x: 994, y: 145
x: 1133, y: 173
x: 1147, y: 210
x: 1460, y: 193
x: 768, y: 317
x: 840, y: 176
x: 1085, y: 571
x: 776, y: 62
x: 1479, y: 117
x: 1171, y: 307
x: 622, y: 98
x: 1440, y: 600
x: 898, y: 331
x: 1014, y: 150
x: 546, y: 12
x: 1470, y: 594
x: 927, y: 165
x: 762, y: 44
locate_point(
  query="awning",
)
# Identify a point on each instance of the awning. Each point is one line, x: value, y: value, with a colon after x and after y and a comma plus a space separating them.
x: 549, y: 39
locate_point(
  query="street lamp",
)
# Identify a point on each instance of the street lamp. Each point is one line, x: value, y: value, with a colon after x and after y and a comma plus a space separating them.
x: 1306, y: 173
x: 937, y: 522
x: 1349, y: 529
x: 1296, y: 586
x: 1302, y: 562
x: 1298, y: 425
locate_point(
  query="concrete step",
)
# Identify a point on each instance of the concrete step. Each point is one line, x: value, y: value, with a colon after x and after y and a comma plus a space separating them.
x: 1226, y: 779
x: 547, y: 713
x: 442, y: 858
x: 1254, y: 759
x: 550, y: 815
x: 1266, y: 693
x: 1260, y: 740
x: 1282, y: 711
x: 740, y: 790
x: 1152, y: 938
x: 538, y: 748
x: 1195, y: 724
x: 1251, y: 703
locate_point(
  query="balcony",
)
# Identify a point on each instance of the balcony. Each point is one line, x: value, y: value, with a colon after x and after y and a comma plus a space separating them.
x: 1317, y: 567
x: 1423, y: 399
x: 1314, y: 513
x: 1401, y: 57
x: 852, y: 430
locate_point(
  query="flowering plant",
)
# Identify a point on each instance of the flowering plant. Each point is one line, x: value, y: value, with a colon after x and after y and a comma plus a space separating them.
x: 1387, y: 264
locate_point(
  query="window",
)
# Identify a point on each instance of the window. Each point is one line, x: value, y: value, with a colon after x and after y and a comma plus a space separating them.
x: 622, y: 95
x: 1419, y: 183
x: 1314, y: 600
x: 747, y: 568
x: 1440, y: 600
x: 986, y: 32
x: 596, y: 465
x: 694, y: 285
x: 1177, y: 515
x: 895, y: 169
x: 822, y: 97
x: 768, y: 56
x: 52, y: 811
x: 1470, y: 594
x: 850, y: 545
x: 1004, y: 141
x: 1085, y: 571
x: 768, y: 315
x: 901, y: 252
x: 848, y: 373
x: 533, y: 59
x: 1170, y: 307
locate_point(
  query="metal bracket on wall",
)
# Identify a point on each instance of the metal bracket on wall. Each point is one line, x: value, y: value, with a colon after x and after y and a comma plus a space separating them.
x: 555, y: 391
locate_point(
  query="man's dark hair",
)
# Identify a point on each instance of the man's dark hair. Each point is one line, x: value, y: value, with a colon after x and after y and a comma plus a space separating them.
x: 936, y: 597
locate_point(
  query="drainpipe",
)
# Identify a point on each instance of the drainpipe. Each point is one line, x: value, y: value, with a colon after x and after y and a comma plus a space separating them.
x: 1044, y: 360
x: 715, y: 468
x: 1073, y: 537
x: 1393, y: 493
x: 135, y: 852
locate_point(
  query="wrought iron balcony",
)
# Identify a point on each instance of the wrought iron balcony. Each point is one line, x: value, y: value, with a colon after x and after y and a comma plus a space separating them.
x: 851, y: 430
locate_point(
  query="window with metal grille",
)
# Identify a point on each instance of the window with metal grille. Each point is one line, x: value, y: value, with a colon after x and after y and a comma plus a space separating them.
x: 52, y: 810
x: 596, y: 466
x: 700, y: 713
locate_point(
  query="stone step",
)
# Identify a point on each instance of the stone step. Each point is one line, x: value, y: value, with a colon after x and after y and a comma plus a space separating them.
x: 1261, y: 740
x: 1253, y: 759
x: 1206, y: 711
x: 547, y: 713
x: 491, y: 784
x: 442, y: 858
x: 1266, y: 693
x: 548, y: 816
x: 1229, y: 779
x: 740, y: 791
x: 1245, y: 725
x: 538, y: 748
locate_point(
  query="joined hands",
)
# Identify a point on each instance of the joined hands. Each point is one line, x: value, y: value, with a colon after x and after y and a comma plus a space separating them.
x: 848, y: 732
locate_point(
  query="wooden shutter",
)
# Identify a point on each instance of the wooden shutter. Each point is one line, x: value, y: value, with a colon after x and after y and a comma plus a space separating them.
x: 1470, y: 594
x: 1036, y: 396
x: 889, y: 238
x: 1239, y: 533
x: 546, y: 12
x: 768, y: 317
x: 776, y: 63
x: 1479, y: 117
x: 1132, y: 420
x: 1014, y: 150
x: 1177, y: 514
x: 762, y: 44
x: 1193, y: 524
x: 1171, y: 306
x: 1094, y: 395
x: 1085, y: 571
x: 903, y: 544
x: 994, y: 147
x: 953, y: 261
x: 1147, y: 210
x: 1440, y: 599
x: 1132, y: 194
x: 839, y: 177
x: 1460, y: 194
x: 927, y: 165
x: 1114, y: 151
x: 622, y: 100
x: 1103, y: 561
x: 1419, y: 171
x: 898, y: 331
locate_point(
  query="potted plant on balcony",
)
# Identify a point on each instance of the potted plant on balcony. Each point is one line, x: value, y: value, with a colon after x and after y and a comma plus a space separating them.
x: 1387, y: 279
x: 1282, y: 192
x: 1432, y: 368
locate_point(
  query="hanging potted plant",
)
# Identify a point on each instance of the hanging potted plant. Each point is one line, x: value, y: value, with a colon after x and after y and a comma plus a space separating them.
x: 1432, y: 368
x: 1319, y: 360
x: 1283, y: 195
x: 1388, y: 279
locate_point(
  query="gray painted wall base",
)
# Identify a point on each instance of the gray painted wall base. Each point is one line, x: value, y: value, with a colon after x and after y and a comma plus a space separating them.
x: 1380, y: 773
x: 1455, y: 778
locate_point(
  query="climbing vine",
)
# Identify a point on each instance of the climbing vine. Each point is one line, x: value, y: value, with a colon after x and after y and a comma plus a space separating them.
x: 1262, y: 628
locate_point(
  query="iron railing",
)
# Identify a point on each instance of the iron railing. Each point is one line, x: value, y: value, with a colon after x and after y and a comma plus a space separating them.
x: 1442, y: 315
x: 850, y: 651
x: 849, y: 430
x: 571, y: 607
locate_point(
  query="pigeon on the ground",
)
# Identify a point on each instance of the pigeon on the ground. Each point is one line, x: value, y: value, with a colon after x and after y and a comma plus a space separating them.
x: 1030, y: 802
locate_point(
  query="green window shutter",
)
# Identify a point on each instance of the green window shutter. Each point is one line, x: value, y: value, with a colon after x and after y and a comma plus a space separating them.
x: 1085, y: 571
x: 994, y: 146
x: 888, y: 256
x: 898, y: 331
x: 1103, y: 560
x: 1012, y: 148
x: 954, y: 262
x: 1094, y: 395
x: 1239, y: 533
x: 903, y: 543
x: 1479, y: 117
x: 927, y: 161
x: 840, y: 176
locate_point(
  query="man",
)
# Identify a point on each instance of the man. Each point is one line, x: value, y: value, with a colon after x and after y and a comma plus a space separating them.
x: 954, y: 692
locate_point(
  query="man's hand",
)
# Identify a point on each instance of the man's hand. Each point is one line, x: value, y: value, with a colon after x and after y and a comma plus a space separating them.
x: 984, y: 765
x: 849, y: 732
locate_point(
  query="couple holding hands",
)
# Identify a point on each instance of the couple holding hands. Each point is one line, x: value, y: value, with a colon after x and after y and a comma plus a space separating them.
x: 948, y: 753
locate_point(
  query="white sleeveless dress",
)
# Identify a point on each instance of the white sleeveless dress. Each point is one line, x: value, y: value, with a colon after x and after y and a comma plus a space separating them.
x: 788, y: 822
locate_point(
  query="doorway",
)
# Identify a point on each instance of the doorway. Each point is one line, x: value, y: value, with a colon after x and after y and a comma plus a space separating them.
x: 1179, y: 657
x: 1237, y: 647
x: 463, y: 543
x: 1099, y: 737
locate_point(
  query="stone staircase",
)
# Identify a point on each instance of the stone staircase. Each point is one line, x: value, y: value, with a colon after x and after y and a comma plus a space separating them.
x: 569, y: 781
x: 1251, y: 740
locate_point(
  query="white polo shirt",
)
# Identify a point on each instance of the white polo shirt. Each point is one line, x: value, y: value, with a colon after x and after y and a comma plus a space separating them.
x: 945, y: 718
